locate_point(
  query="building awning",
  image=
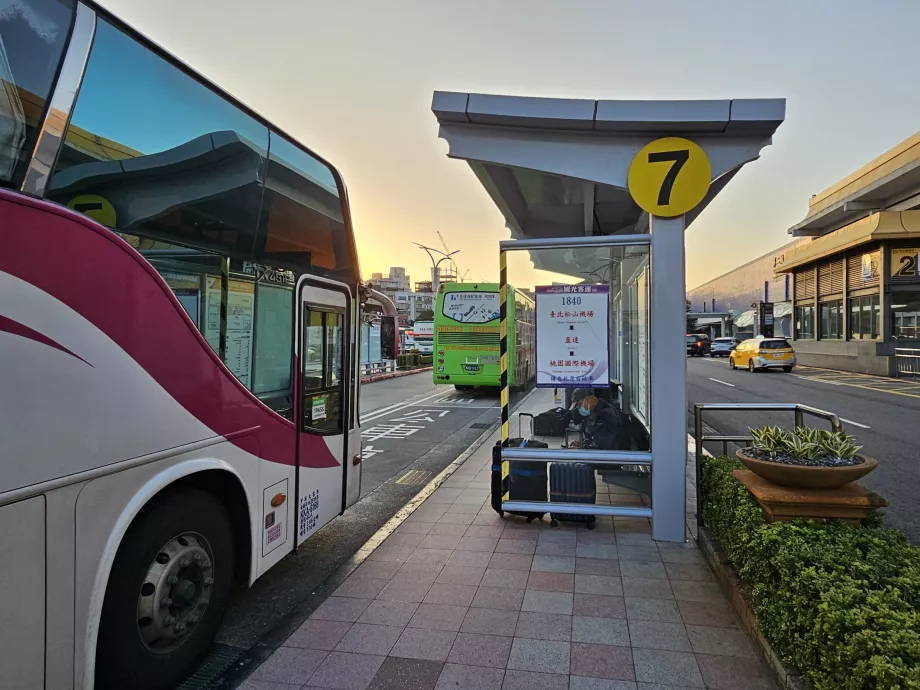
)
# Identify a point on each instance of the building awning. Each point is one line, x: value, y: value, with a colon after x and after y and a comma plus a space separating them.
x: 887, y: 225
x: 745, y: 320
x: 890, y: 182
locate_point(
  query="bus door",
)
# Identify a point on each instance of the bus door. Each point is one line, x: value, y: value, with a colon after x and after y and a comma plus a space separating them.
x: 326, y: 402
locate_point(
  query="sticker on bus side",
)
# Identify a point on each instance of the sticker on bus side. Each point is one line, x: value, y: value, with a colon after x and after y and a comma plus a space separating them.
x: 309, y: 511
x: 273, y: 533
x: 318, y: 408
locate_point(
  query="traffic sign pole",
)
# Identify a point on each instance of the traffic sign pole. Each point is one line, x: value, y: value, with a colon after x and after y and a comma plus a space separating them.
x: 668, y: 178
x: 668, y: 372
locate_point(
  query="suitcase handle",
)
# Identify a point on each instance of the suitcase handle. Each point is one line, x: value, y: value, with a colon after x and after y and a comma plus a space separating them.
x: 525, y: 414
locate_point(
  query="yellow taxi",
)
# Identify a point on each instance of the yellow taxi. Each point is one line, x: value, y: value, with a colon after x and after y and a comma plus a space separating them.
x: 763, y: 353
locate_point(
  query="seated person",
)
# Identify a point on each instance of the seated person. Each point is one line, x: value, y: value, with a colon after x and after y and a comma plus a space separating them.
x: 600, y: 422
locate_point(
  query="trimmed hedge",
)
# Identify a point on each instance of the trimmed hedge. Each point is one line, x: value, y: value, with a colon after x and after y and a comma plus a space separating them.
x: 841, y: 603
x: 412, y: 360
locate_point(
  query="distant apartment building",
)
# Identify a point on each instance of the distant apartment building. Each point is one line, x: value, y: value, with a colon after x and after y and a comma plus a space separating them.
x: 396, y: 281
x: 397, y: 286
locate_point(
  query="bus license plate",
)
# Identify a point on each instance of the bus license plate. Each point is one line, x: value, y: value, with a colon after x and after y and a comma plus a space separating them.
x: 778, y: 355
x: 471, y: 367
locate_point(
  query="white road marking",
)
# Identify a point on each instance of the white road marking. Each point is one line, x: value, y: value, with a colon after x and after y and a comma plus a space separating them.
x: 850, y: 421
x: 724, y: 383
x: 394, y: 408
x: 454, y: 407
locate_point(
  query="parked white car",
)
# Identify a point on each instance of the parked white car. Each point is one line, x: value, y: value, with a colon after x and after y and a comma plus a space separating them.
x: 722, y: 347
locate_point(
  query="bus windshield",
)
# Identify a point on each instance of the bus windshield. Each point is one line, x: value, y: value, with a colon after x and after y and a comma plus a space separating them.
x: 471, y: 307
x: 32, y: 38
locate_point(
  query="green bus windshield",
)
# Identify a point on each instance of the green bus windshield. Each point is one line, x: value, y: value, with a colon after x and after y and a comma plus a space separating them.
x: 470, y: 307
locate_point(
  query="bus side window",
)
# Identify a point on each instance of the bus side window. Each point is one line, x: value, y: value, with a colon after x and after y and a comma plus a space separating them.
x: 323, y: 383
x: 259, y: 330
x: 273, y: 345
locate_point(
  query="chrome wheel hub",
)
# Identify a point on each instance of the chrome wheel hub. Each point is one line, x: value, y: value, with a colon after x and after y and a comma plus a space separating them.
x: 175, y: 592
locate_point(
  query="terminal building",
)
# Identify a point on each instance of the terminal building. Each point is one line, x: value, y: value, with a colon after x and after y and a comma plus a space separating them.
x: 850, y: 281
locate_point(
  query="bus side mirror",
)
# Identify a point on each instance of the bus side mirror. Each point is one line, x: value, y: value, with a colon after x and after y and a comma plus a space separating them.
x: 388, y: 337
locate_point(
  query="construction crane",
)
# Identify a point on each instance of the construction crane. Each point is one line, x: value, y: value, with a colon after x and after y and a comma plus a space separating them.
x: 448, y: 252
x: 443, y: 243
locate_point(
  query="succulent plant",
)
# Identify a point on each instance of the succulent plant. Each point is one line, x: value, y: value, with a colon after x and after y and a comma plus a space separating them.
x: 769, y: 439
x: 810, y: 435
x: 800, y: 448
x: 803, y: 443
x: 838, y: 445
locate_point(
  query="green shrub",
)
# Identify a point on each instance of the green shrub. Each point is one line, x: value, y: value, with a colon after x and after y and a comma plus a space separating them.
x: 841, y: 603
x: 412, y: 359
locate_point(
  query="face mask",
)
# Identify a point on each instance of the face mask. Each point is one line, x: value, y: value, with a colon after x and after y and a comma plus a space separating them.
x: 583, y: 411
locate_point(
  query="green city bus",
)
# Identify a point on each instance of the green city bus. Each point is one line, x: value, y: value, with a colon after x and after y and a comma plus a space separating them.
x: 466, y: 336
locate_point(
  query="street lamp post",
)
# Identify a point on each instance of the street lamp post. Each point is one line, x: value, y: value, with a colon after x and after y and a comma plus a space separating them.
x: 435, y: 274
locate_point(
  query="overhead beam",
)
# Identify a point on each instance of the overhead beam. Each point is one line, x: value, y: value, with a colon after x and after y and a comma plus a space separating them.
x: 589, y: 208
x: 861, y: 206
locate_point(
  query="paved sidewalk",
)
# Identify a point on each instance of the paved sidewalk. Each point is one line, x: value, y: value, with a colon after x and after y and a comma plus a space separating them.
x: 459, y: 598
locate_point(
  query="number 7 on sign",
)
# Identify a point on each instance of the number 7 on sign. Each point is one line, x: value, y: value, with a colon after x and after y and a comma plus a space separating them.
x: 677, y: 160
x: 673, y: 190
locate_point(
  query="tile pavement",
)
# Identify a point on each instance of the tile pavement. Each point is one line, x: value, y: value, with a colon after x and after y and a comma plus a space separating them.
x: 458, y: 598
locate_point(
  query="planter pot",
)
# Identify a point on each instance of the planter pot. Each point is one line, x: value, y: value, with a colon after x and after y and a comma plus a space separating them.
x: 805, y: 476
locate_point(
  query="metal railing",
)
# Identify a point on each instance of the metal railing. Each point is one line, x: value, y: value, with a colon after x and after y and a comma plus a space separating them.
x: 385, y: 366
x: 596, y: 458
x: 799, y: 412
x: 907, y: 361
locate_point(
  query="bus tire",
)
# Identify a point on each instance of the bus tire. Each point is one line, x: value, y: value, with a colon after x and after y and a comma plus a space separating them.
x: 175, y: 564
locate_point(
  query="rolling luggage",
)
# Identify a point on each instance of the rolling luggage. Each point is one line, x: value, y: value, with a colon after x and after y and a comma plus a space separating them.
x: 526, y: 479
x: 551, y: 423
x: 572, y: 484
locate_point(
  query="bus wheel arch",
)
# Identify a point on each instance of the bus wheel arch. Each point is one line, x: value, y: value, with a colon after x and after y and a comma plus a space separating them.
x: 218, y: 489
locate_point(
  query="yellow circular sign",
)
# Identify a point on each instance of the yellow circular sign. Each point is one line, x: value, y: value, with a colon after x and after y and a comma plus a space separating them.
x: 96, y: 207
x: 669, y: 177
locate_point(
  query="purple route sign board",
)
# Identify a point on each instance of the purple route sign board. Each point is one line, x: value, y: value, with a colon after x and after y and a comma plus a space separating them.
x: 571, y: 324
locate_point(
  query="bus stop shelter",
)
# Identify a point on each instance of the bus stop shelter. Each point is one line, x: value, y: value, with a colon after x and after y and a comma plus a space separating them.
x: 602, y: 191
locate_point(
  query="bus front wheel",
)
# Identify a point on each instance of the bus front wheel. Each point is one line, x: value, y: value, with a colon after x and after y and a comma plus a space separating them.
x: 167, y: 592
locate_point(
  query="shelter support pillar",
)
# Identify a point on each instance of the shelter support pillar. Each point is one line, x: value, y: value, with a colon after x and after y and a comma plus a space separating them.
x: 668, y: 373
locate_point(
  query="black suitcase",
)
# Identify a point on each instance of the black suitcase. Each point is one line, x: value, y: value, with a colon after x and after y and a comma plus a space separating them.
x: 526, y: 482
x: 572, y: 484
x: 526, y: 478
x: 551, y: 423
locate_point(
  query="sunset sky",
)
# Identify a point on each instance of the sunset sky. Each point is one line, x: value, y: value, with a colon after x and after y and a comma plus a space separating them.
x: 354, y: 79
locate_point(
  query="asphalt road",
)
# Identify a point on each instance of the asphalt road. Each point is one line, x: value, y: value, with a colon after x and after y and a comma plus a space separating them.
x: 883, y: 414
x: 411, y: 430
x: 386, y: 392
